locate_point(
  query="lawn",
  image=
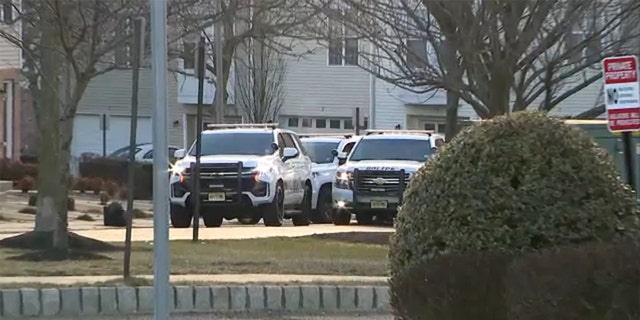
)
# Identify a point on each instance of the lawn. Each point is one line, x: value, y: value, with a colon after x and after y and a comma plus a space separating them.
x: 303, y: 255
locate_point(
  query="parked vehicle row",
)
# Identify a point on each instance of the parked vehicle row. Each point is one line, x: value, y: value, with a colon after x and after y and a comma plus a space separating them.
x: 254, y: 172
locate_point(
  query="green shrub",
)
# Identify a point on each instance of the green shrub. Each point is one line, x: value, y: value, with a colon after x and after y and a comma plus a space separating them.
x: 512, y: 184
x: 453, y: 287
x: 592, y: 282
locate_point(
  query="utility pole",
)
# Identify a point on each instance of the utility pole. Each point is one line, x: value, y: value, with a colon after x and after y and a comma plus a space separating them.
x: 196, y: 168
x: 138, y: 34
x: 159, y: 67
x: 218, y: 43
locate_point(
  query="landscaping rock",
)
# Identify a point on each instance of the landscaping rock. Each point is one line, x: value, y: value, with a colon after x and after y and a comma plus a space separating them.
x: 113, y: 215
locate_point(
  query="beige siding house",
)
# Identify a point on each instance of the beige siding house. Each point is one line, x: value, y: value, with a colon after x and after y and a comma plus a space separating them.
x: 10, y: 91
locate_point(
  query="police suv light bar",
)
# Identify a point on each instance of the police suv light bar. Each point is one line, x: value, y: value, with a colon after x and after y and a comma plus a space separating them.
x: 328, y: 135
x: 243, y: 125
x: 399, y: 131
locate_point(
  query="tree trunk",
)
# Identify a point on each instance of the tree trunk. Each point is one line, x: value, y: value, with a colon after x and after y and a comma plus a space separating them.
x: 51, y: 198
x: 452, y: 115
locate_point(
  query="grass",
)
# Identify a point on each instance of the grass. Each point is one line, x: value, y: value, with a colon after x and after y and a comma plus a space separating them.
x: 144, y: 282
x: 303, y: 255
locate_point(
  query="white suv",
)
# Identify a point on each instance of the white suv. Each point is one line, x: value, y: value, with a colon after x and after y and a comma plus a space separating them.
x: 326, y: 152
x: 247, y: 172
x: 373, y: 179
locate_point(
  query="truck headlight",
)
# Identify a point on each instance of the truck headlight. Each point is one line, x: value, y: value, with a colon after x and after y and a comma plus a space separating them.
x: 343, y: 180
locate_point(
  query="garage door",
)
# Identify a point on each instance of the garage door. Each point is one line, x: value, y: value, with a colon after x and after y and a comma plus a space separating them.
x: 87, y: 136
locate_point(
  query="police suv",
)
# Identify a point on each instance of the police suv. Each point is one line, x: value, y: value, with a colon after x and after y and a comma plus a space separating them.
x: 248, y: 172
x: 327, y: 152
x: 372, y: 181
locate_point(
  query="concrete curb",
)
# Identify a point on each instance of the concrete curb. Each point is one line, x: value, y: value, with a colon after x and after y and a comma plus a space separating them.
x: 92, y: 301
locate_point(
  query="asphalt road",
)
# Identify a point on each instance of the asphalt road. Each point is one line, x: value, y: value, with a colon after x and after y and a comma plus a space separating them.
x: 227, y: 231
x: 203, y: 316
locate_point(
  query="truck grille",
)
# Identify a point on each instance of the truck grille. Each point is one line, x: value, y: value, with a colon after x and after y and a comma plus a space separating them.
x: 223, y: 177
x: 379, y: 182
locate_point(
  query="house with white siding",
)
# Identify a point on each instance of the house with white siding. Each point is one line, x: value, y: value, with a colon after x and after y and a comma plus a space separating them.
x: 10, y: 71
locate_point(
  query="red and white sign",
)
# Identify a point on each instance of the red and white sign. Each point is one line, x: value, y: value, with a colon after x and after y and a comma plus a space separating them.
x: 622, y: 93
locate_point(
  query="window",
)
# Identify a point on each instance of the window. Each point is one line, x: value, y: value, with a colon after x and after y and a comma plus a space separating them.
x: 334, y: 124
x: 442, y: 128
x: 288, y: 141
x: 430, y: 126
x: 347, y: 148
x: 321, y: 123
x: 365, y: 123
x: 221, y: 143
x: 306, y: 122
x: 149, y: 155
x: 123, y: 152
x: 416, y: 54
x: 348, y: 124
x: 320, y: 152
x: 343, y: 45
x: 583, y: 43
x: 189, y: 57
x: 301, y: 147
x: 417, y: 150
x: 292, y: 122
x: 7, y: 11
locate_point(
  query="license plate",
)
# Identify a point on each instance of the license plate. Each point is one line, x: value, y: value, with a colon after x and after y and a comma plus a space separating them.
x: 217, y: 196
x: 378, y: 204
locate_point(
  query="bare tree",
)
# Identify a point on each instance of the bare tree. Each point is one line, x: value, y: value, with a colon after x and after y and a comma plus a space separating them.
x: 277, y: 23
x: 497, y: 56
x: 260, y: 77
x: 66, y: 44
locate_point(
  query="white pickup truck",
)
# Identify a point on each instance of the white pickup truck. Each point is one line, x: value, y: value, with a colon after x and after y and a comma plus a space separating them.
x: 248, y: 172
x: 327, y: 152
x: 372, y: 181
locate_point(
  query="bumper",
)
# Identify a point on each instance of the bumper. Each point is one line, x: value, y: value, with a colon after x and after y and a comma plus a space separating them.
x: 343, y: 200
x: 251, y: 193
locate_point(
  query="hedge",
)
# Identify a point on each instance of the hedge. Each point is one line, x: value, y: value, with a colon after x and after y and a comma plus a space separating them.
x: 95, y: 175
x: 587, y: 282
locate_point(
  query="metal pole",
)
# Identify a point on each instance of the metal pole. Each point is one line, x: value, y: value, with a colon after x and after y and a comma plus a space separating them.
x: 138, y: 33
x: 628, y: 159
x: 196, y: 172
x: 160, y: 161
x: 103, y: 121
x: 357, y: 122
x: 372, y: 94
x: 218, y: 43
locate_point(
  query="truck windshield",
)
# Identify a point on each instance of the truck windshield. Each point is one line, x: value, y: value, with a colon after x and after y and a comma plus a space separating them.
x: 236, y: 143
x: 320, y: 151
x: 392, y: 149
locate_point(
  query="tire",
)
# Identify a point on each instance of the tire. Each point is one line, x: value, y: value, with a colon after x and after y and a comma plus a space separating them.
x: 180, y: 216
x: 274, y: 211
x: 364, y: 219
x: 249, y: 220
x: 341, y: 217
x: 304, y: 217
x: 324, y: 211
x: 212, y: 220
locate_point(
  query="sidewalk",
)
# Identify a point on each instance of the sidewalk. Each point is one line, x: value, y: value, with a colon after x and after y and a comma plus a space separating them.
x: 203, y: 278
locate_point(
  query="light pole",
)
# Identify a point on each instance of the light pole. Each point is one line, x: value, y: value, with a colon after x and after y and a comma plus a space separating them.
x: 160, y: 161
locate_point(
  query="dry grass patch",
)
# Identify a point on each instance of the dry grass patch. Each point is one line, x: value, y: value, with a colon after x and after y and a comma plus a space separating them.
x: 304, y: 255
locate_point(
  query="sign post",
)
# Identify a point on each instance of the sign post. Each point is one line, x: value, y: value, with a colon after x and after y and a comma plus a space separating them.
x: 622, y: 101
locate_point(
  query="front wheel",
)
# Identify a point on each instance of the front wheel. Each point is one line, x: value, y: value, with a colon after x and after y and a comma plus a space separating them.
x: 341, y: 217
x: 180, y: 216
x: 324, y: 211
x: 274, y: 212
x: 304, y: 218
x: 212, y: 220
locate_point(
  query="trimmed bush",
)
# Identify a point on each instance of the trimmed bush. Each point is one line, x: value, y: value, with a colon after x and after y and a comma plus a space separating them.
x: 117, y: 171
x: 113, y: 215
x: 592, y: 282
x: 512, y: 184
x: 26, y: 184
x: 454, y: 287
x: 111, y: 188
x: 96, y: 185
